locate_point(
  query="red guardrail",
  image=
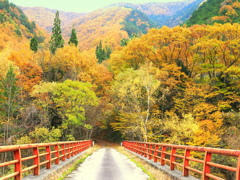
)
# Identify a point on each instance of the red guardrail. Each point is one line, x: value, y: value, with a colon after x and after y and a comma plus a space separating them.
x: 168, y: 153
x: 51, y: 152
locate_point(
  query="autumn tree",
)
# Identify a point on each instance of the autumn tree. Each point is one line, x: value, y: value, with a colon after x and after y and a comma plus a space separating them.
x: 96, y: 74
x: 30, y: 72
x: 134, y: 96
x: 73, y: 39
x: 65, y: 64
x: 179, y: 130
x: 56, y: 38
x: 70, y: 99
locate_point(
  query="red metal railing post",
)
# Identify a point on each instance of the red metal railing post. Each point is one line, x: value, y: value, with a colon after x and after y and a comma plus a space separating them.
x: 74, y: 149
x: 186, y: 162
x: 63, y: 152
x: 139, y: 148
x: 79, y: 147
x: 18, y: 165
x: 150, y: 152
x: 57, y: 154
x: 36, y: 161
x: 68, y: 150
x: 163, y: 155
x: 88, y: 145
x: 71, y: 149
x: 155, y: 153
x: 48, y: 157
x: 129, y: 145
x: 135, y: 147
x: 145, y: 150
x: 85, y: 145
x: 206, y: 167
x: 172, y: 158
x: 238, y: 169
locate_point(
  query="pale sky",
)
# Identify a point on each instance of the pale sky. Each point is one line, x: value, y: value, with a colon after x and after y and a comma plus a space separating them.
x: 76, y: 5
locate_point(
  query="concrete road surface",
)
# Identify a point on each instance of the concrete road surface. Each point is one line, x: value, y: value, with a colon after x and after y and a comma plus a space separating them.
x: 107, y: 164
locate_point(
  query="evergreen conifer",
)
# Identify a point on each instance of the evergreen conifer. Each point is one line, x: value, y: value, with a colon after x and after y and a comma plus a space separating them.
x: 73, y: 39
x: 102, y: 53
x: 56, y: 38
x: 34, y: 44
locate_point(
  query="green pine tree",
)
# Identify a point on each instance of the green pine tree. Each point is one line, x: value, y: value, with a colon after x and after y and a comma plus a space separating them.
x: 101, y: 53
x: 34, y: 44
x: 108, y: 52
x: 56, y: 38
x: 73, y: 39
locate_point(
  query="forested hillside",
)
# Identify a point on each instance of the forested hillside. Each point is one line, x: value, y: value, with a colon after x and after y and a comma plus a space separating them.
x: 110, y: 26
x: 165, y: 13
x: 220, y: 11
x: 16, y: 31
x: 15, y: 26
x: 44, y: 17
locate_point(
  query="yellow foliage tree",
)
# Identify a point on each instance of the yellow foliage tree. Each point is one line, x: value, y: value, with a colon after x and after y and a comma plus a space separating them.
x: 133, y: 95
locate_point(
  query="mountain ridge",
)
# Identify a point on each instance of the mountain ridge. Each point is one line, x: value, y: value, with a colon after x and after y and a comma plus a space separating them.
x: 110, y: 26
x: 44, y: 17
x: 163, y: 13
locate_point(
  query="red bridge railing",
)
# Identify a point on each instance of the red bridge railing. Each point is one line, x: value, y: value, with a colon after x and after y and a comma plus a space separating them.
x: 40, y: 154
x: 181, y: 156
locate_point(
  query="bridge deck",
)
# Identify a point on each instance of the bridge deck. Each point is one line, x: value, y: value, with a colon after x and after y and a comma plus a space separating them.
x: 107, y: 164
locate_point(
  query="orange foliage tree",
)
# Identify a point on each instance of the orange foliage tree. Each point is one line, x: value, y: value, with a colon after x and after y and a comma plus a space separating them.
x: 30, y: 72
